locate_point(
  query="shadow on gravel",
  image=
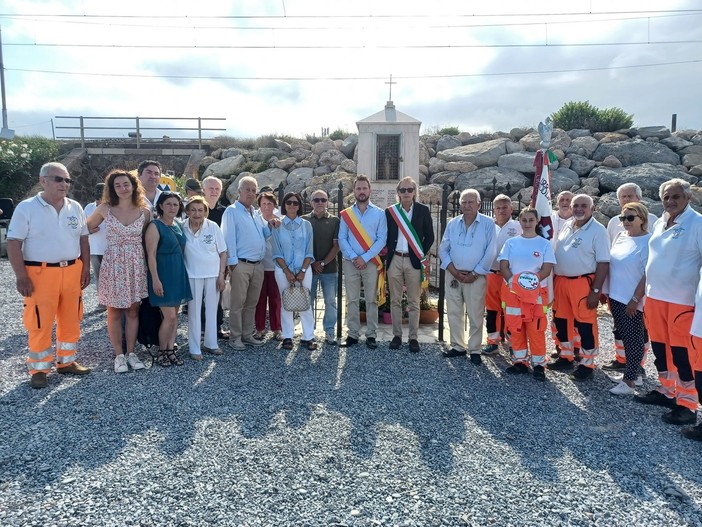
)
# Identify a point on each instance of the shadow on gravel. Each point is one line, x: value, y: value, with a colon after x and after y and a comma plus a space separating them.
x: 415, y: 405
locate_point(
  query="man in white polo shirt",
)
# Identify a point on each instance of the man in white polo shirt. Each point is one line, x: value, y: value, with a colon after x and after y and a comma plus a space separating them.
x: 47, y: 244
x: 505, y: 228
x: 672, y: 273
x: 582, y: 263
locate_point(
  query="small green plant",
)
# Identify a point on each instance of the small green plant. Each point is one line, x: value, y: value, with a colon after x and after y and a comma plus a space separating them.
x: 582, y: 114
x: 338, y: 134
x: 449, y: 130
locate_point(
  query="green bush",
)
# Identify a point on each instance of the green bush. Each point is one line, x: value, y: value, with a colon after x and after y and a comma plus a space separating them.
x: 449, y: 130
x: 338, y: 134
x: 581, y: 114
x: 20, y: 161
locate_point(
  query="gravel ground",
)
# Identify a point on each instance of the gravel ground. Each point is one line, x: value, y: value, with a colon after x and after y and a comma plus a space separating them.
x: 336, y: 437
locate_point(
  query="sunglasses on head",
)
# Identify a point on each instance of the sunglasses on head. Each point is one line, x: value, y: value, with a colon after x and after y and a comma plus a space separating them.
x: 628, y: 217
x: 292, y: 202
x: 319, y: 200
x: 405, y: 190
x: 59, y: 179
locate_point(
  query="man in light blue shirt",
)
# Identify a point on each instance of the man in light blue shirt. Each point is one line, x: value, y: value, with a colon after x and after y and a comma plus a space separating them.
x: 245, y: 234
x: 467, y: 251
x: 359, y: 265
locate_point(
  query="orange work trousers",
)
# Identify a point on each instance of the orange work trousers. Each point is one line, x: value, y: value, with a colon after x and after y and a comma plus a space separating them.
x: 56, y: 297
x: 571, y: 316
x: 494, y: 319
x: 527, y: 338
x: 669, y: 330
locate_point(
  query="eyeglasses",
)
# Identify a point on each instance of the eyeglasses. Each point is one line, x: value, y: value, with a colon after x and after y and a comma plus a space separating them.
x: 319, y: 200
x: 59, y: 179
x: 628, y: 217
x: 291, y: 202
x: 405, y: 190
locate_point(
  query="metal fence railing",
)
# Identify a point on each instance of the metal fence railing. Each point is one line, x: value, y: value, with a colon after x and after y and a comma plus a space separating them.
x: 138, y: 128
x: 441, y: 212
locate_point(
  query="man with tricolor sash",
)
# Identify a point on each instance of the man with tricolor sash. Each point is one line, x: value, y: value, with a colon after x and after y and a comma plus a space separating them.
x: 362, y: 236
x: 410, y: 236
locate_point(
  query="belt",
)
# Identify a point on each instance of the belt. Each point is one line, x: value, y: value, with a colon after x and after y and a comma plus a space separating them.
x: 252, y: 262
x: 494, y: 272
x: 64, y: 263
x: 404, y: 255
x: 576, y: 277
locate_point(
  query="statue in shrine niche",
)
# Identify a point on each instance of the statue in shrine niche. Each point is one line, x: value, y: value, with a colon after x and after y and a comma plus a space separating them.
x: 387, y: 165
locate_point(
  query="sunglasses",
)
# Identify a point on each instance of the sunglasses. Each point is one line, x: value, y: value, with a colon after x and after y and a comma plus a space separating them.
x: 405, y: 190
x: 59, y: 179
x: 628, y: 217
x: 319, y: 200
x: 291, y: 202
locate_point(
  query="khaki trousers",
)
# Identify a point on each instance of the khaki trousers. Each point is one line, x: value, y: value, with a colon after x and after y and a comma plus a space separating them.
x: 353, y: 278
x: 470, y: 298
x: 401, y: 273
x: 246, y: 280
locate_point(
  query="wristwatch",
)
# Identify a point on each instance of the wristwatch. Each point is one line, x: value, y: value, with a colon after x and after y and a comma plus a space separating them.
x: 304, y: 269
x: 322, y: 263
x: 633, y: 298
x: 595, y: 290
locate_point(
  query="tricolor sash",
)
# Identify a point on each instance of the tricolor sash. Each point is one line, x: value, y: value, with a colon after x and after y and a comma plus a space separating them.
x: 413, y: 242
x: 359, y: 233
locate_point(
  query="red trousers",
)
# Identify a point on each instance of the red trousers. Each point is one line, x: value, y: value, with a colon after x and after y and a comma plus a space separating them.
x: 270, y: 298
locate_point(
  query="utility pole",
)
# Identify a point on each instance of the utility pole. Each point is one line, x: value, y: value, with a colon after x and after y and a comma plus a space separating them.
x: 5, y: 133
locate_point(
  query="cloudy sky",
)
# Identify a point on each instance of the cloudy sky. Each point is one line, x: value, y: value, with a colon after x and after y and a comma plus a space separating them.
x: 296, y: 66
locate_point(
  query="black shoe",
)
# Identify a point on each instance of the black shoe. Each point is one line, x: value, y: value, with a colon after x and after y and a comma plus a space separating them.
x: 371, y: 343
x: 476, y: 359
x: 490, y: 349
x: 615, y: 365
x: 581, y: 373
x: 693, y: 432
x: 539, y: 373
x: 518, y: 369
x: 555, y: 354
x: 560, y: 364
x: 395, y: 343
x: 454, y: 353
x: 414, y: 346
x: 680, y: 416
x: 576, y: 354
x: 656, y: 398
x: 350, y: 341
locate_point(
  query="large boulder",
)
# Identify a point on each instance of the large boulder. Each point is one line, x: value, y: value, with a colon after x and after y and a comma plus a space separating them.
x: 444, y: 178
x: 559, y: 139
x: 563, y: 179
x: 271, y: 178
x: 464, y: 137
x: 610, y: 137
x: 423, y: 154
x: 300, y: 175
x: 192, y: 168
x: 348, y: 165
x: 584, y: 146
x: 648, y: 176
x: 511, y: 147
x: 608, y: 204
x: 285, y: 164
x: 581, y: 165
x: 430, y: 194
x: 447, y: 142
x: 348, y: 147
x: 578, y: 132
x: 264, y: 154
x: 282, y: 145
x: 675, y: 142
x: 481, y: 154
x: 460, y: 166
x: 637, y: 152
x: 691, y: 160
x: 229, y: 152
x: 322, y: 146
x: 660, y: 132
x: 224, y: 168
x: 437, y: 165
x: 692, y: 149
x: 520, y: 161
x: 331, y: 158
x: 300, y: 154
x: 482, y: 180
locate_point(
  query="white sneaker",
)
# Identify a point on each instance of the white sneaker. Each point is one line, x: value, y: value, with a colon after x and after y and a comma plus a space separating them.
x: 622, y: 389
x: 134, y: 362
x: 620, y: 378
x: 121, y: 364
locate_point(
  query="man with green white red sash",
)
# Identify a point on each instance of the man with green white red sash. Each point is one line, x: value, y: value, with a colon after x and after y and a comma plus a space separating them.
x: 362, y: 235
x: 410, y: 236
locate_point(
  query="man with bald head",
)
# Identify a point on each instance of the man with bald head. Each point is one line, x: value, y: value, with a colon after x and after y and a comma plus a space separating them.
x: 582, y: 263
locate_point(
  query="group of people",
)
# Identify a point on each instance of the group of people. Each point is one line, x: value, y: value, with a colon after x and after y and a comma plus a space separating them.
x: 501, y: 271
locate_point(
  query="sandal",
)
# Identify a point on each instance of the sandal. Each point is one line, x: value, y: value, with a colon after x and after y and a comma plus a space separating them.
x: 173, y: 358
x: 162, y: 358
x: 287, y: 344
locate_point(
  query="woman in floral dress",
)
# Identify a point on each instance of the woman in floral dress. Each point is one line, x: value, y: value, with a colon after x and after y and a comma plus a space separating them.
x: 123, y: 271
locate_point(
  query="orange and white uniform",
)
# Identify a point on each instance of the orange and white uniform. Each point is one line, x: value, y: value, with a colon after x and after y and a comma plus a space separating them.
x: 695, y: 348
x: 493, y: 294
x: 578, y: 251
x: 525, y: 303
x: 672, y: 276
x: 51, y: 247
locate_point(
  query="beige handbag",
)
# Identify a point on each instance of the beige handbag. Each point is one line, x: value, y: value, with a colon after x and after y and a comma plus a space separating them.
x: 296, y: 298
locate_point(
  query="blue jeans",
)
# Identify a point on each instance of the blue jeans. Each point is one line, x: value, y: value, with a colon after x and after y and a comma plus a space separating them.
x: 328, y: 282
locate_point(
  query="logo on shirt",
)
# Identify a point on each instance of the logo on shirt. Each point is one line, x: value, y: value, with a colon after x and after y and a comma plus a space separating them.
x: 536, y: 254
x: 208, y: 238
x: 577, y: 242
x: 528, y: 281
x: 677, y: 232
x: 72, y: 222
x: 511, y: 232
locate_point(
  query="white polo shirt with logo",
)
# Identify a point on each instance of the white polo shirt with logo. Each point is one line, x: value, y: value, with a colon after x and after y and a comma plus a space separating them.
x: 578, y: 251
x: 202, y: 249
